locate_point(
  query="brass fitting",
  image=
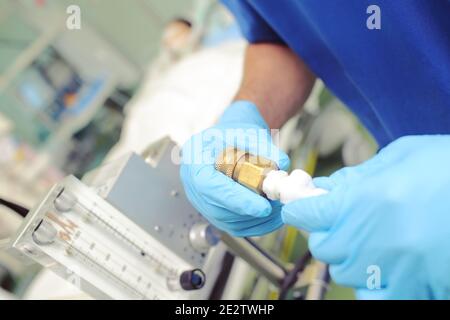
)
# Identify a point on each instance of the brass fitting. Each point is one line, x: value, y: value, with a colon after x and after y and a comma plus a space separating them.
x: 246, y: 169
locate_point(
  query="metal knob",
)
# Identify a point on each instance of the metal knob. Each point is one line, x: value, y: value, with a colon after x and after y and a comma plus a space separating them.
x: 44, y: 233
x: 192, y: 279
x: 246, y: 169
x: 65, y: 201
x: 203, y: 236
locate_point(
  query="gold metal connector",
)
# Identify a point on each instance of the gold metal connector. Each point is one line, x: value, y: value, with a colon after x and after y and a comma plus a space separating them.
x: 246, y: 169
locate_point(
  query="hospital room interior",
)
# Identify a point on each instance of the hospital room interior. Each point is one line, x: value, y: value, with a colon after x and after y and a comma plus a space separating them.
x: 97, y: 99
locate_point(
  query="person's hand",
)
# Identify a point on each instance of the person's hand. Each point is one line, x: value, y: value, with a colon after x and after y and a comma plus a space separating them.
x: 386, y: 222
x: 225, y: 203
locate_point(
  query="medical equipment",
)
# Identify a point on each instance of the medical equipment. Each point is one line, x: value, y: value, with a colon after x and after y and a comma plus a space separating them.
x: 127, y: 231
x: 111, y: 239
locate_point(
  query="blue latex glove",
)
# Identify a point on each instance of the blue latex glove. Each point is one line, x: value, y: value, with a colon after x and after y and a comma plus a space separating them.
x: 225, y: 203
x: 391, y: 215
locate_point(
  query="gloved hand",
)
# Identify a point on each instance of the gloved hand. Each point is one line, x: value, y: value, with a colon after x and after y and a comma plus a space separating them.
x: 225, y: 203
x: 388, y: 217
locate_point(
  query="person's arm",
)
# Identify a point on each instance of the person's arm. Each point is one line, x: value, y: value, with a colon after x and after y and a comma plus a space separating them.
x: 276, y: 80
x: 274, y: 86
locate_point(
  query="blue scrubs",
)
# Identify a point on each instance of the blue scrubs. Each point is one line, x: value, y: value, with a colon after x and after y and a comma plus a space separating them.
x: 396, y: 79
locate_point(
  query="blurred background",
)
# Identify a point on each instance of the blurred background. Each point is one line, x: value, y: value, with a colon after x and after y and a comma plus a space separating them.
x: 135, y: 72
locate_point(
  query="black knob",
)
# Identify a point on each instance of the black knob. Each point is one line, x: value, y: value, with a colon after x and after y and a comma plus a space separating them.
x: 192, y: 279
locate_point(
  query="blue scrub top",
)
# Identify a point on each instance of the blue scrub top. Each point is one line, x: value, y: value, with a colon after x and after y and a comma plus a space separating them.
x: 396, y: 79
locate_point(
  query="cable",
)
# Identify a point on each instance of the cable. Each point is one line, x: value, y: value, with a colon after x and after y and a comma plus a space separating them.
x: 266, y: 254
x: 292, y: 275
x: 15, y: 207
